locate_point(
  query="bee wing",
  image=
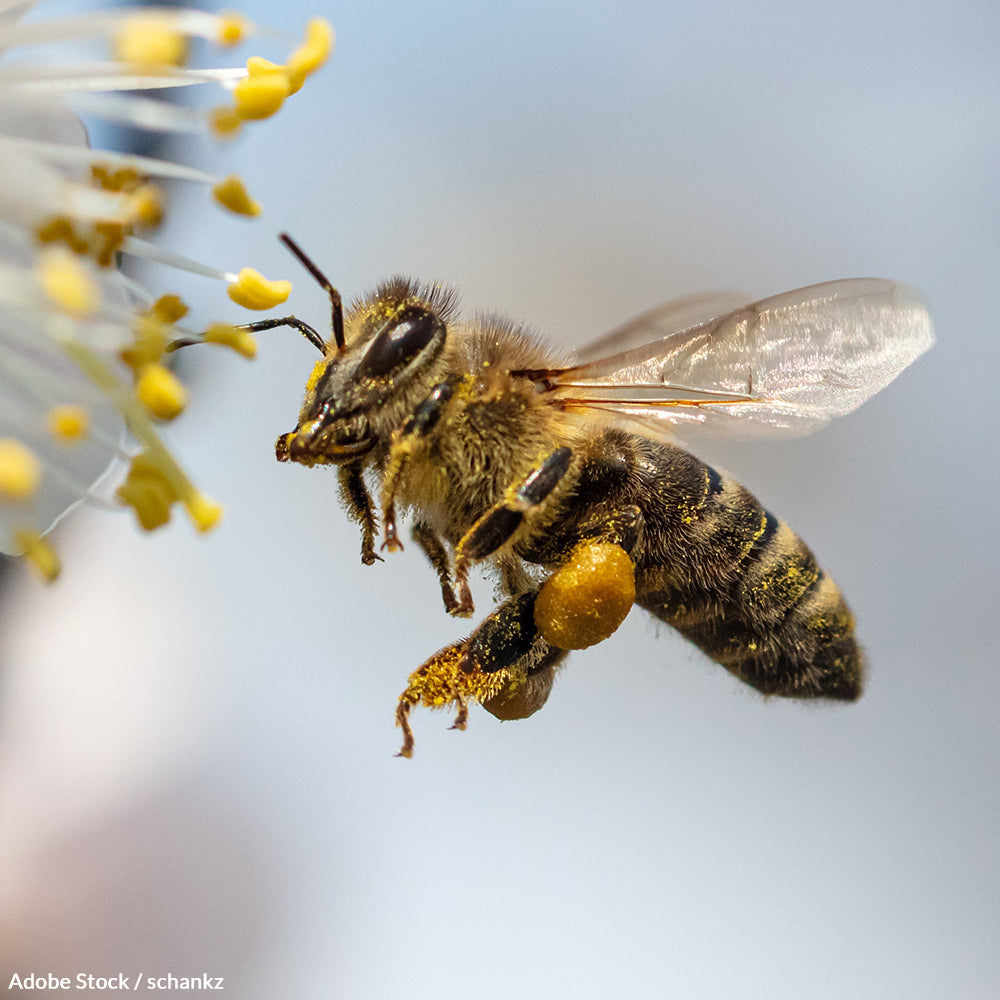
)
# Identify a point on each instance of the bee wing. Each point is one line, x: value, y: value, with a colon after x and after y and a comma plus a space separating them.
x: 786, y: 364
x: 670, y: 317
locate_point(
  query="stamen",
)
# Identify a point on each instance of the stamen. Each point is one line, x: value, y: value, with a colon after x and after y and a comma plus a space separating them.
x: 161, y: 392
x: 233, y: 28
x: 224, y: 122
x: 149, y: 40
x: 20, y: 471
x: 67, y: 283
x: 241, y: 341
x: 232, y: 193
x: 253, y: 291
x: 169, y: 308
x: 312, y: 53
x: 203, y: 511
x: 68, y: 423
x: 263, y: 91
x: 148, y: 491
x: 39, y: 553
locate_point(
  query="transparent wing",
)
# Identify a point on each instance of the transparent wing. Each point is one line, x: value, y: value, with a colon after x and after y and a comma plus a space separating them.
x: 786, y: 364
x: 671, y: 317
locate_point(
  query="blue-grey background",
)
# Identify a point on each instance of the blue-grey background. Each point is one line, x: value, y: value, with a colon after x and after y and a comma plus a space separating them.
x: 196, y: 770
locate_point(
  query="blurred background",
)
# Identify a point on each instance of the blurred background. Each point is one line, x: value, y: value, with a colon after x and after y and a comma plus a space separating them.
x: 196, y: 733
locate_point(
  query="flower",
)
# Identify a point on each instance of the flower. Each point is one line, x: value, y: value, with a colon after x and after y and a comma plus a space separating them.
x: 81, y: 345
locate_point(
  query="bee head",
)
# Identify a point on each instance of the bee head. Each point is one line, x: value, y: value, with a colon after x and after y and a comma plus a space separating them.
x: 362, y: 390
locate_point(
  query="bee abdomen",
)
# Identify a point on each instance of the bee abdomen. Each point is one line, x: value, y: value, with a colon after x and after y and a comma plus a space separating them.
x: 771, y: 616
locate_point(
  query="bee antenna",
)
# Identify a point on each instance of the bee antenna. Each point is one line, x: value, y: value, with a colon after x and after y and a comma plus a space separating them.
x: 336, y: 305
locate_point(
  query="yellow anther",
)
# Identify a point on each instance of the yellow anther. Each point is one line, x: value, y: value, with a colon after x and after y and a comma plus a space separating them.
x: 114, y: 178
x: 68, y: 423
x: 204, y: 512
x: 233, y: 28
x: 109, y: 237
x: 161, y: 392
x: 147, y: 205
x: 312, y: 53
x: 259, y: 66
x: 587, y: 598
x: 261, y: 93
x: 147, y: 489
x: 232, y: 194
x: 169, y: 308
x: 39, y: 553
x: 241, y: 341
x: 253, y: 291
x: 146, y: 40
x: 67, y: 282
x: 151, y: 336
x: 224, y: 122
x: 20, y: 471
x: 61, y: 229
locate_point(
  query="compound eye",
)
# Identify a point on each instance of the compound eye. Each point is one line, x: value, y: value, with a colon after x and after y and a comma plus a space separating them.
x: 399, y: 342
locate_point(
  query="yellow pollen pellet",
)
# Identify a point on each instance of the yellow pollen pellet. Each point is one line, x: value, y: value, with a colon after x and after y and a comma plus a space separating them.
x: 312, y: 53
x: 232, y: 194
x: 587, y: 598
x: 67, y: 283
x: 253, y: 291
x: 20, y: 471
x: 146, y: 40
x: 68, y: 424
x: 241, y: 341
x: 261, y: 93
x: 39, y: 553
x: 161, y: 392
x: 233, y: 28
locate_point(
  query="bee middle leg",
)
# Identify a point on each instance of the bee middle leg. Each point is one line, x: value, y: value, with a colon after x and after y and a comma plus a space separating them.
x: 434, y: 548
x: 405, y: 443
x: 498, y: 525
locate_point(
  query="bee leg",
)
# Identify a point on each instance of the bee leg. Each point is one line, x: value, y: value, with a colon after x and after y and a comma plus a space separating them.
x: 621, y: 526
x: 405, y: 442
x: 462, y: 715
x: 439, y: 682
x: 436, y: 552
x: 361, y: 508
x: 497, y: 526
x: 514, y: 579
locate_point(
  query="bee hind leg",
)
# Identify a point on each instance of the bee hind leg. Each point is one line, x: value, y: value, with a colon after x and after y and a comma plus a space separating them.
x: 505, y: 665
x: 440, y: 682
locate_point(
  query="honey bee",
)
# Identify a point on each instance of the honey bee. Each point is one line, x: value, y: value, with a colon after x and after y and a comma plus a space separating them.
x: 564, y: 475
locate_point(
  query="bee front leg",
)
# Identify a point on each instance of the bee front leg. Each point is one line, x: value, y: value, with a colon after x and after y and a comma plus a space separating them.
x: 498, y: 525
x: 360, y: 507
